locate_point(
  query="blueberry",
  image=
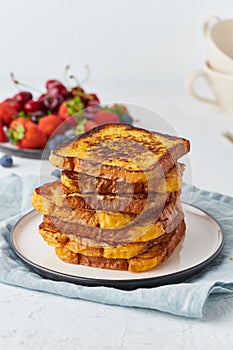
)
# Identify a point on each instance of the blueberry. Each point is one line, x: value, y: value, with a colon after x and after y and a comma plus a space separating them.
x: 127, y: 119
x: 56, y: 173
x: 6, y: 161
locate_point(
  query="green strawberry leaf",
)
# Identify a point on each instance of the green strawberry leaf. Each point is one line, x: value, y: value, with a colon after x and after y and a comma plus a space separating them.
x: 77, y: 99
x: 22, y: 114
x: 70, y: 111
x: 16, y: 134
x: 71, y: 103
x: 21, y: 131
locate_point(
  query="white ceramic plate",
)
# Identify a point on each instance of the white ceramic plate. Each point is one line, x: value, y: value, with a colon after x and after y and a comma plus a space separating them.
x: 202, y: 243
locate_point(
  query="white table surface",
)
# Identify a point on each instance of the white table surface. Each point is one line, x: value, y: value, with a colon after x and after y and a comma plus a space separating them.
x: 33, y: 320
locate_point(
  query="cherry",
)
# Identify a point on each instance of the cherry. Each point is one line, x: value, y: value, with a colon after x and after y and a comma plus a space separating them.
x: 52, y: 82
x: 94, y: 99
x: 93, y: 102
x: 22, y: 97
x: 14, y: 103
x: 41, y: 98
x: 77, y: 90
x: 58, y: 89
x: 37, y: 115
x: 52, y: 104
x: 32, y: 106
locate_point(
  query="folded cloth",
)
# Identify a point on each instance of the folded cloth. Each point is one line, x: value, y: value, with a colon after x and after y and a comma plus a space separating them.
x: 184, y: 299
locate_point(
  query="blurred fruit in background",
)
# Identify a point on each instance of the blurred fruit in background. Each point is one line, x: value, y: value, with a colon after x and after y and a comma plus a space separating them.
x: 29, y: 122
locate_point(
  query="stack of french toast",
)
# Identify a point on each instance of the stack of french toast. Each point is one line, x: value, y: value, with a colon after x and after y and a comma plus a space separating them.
x: 117, y: 204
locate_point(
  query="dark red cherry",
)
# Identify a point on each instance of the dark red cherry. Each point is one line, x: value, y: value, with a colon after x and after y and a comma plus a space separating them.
x: 32, y: 106
x: 52, y: 82
x: 37, y: 115
x: 41, y: 98
x: 52, y: 104
x: 22, y: 97
x: 77, y: 90
x: 94, y: 99
x: 58, y: 90
x: 92, y: 102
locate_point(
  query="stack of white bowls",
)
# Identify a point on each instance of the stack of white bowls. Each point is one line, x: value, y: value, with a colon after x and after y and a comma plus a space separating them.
x: 218, y: 69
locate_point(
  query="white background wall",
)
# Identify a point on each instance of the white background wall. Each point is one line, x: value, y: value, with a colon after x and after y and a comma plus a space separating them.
x: 121, y: 39
x: 139, y: 52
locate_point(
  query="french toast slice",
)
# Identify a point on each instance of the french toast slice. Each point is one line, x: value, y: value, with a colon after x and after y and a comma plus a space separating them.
x: 49, y: 224
x: 139, y: 230
x: 88, y: 247
x: 148, y: 260
x: 78, y: 182
x: 50, y: 198
x: 121, y: 152
x: 125, y: 251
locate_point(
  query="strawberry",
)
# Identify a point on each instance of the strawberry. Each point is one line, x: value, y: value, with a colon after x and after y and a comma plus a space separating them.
x: 21, y: 121
x: 49, y: 124
x: 26, y: 134
x: 14, y: 103
x: 62, y: 112
x: 3, y: 137
x: 118, y: 109
x: 34, y: 138
x: 68, y: 109
x: 90, y: 124
x: 103, y: 117
x: 7, y: 112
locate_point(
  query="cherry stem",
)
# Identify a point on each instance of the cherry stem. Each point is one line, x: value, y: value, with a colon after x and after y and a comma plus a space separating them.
x: 86, y: 78
x: 67, y: 68
x: 17, y: 83
x: 75, y: 79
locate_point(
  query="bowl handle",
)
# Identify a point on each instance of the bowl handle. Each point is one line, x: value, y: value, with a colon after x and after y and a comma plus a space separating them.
x: 206, y: 26
x: 190, y: 86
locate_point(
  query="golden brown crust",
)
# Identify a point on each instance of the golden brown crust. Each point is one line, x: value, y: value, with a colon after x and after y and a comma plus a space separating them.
x: 166, y: 219
x: 58, y: 239
x: 143, y: 262
x: 74, y: 182
x: 50, y: 198
x: 121, y: 152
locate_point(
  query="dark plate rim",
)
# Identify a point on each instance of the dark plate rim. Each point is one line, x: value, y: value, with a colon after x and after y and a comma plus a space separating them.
x: 131, y: 284
x: 19, y: 152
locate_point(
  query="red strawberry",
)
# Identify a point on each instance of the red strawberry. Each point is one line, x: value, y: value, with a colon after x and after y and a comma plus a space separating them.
x: 50, y: 124
x: 18, y: 122
x: 14, y: 103
x: 90, y: 124
x: 34, y: 138
x: 64, y: 115
x: 103, y: 117
x: 7, y: 112
x: 62, y: 112
x: 3, y: 137
x: 26, y: 134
